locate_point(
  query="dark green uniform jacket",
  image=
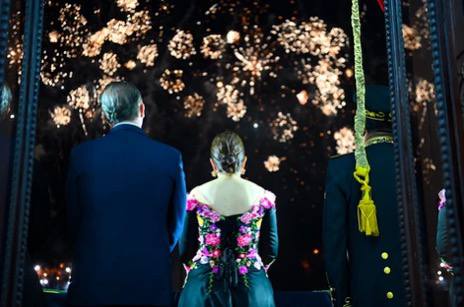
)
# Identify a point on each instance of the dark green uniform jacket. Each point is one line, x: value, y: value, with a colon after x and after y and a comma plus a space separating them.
x: 366, y: 270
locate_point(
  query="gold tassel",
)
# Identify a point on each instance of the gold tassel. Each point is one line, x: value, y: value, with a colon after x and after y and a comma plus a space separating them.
x: 367, y: 213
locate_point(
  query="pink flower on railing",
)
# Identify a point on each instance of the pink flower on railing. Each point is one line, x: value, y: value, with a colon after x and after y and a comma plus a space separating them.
x: 244, y: 240
x: 191, y: 204
x: 212, y: 239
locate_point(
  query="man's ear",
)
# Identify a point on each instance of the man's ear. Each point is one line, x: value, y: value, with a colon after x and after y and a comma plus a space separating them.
x: 142, y: 110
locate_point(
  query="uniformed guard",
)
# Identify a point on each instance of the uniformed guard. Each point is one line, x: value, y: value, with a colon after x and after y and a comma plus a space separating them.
x: 360, y: 228
x: 362, y: 247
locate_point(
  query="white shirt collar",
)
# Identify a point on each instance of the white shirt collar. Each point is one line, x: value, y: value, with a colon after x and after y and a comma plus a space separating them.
x: 126, y: 123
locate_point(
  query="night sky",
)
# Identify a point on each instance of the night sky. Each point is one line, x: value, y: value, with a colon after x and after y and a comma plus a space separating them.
x: 246, y: 70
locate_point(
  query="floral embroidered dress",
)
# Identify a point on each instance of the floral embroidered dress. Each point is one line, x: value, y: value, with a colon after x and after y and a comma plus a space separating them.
x: 226, y: 258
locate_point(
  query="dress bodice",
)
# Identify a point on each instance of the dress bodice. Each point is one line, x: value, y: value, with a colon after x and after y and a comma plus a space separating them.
x: 230, y: 243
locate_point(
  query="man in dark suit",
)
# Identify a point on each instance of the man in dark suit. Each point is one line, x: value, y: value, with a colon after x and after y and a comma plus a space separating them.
x: 364, y: 271
x: 126, y: 204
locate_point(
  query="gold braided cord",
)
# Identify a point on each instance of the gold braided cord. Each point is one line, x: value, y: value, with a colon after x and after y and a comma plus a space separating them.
x: 366, y: 211
x: 360, y: 117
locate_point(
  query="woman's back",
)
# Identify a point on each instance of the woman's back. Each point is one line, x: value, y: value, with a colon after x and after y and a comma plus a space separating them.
x: 230, y: 235
x: 229, y: 195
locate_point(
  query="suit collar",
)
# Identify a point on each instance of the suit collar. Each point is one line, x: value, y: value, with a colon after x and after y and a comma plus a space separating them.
x: 127, y: 127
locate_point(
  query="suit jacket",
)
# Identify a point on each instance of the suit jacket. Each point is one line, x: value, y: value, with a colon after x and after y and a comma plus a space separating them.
x: 365, y: 269
x: 126, y: 205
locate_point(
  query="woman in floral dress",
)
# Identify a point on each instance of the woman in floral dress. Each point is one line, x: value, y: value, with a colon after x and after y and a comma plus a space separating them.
x: 230, y: 236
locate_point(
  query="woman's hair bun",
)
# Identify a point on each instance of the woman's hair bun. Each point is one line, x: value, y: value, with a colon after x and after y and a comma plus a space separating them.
x: 228, y: 152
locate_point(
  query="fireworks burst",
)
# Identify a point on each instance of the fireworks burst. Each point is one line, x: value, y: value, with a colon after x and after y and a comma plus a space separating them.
x: 171, y: 81
x: 329, y: 95
x: 109, y: 63
x: 236, y: 111
x: 61, y: 116
x: 193, y: 105
x: 425, y: 91
x: 345, y: 141
x: 232, y: 37
x: 181, y: 45
x: 79, y: 98
x: 302, y: 97
x: 227, y: 93
x: 118, y: 31
x: 128, y: 5
x: 412, y: 39
x: 213, y: 46
x: 284, y: 127
x: 272, y: 164
x: 147, y: 54
x: 310, y: 37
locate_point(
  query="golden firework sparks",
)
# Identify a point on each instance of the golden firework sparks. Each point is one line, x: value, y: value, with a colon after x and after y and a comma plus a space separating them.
x: 73, y: 31
x: 272, y: 164
x: 284, y: 127
x: 256, y: 59
x: 345, y: 141
x: 103, y: 82
x: 15, y: 54
x: 236, y: 111
x: 139, y: 23
x: 213, y: 46
x: 412, y: 39
x: 181, y: 45
x: 92, y: 47
x: 232, y: 37
x: 147, y: 54
x: 171, y: 81
x: 193, y: 105
x: 329, y: 95
x: 302, y: 97
x: 310, y: 37
x: 118, y: 31
x: 226, y: 93
x: 425, y: 91
x: 109, y: 63
x: 128, y: 5
x: 130, y: 64
x: 61, y: 116
x: 79, y: 98
x: 53, y: 36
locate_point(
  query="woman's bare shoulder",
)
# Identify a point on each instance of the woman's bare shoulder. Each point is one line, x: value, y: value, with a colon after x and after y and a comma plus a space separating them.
x: 201, y: 192
x: 254, y: 189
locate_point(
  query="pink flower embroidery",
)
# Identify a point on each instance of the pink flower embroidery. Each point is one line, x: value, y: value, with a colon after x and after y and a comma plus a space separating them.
x: 216, y: 253
x: 212, y: 239
x: 244, y: 240
x: 252, y: 253
x: 268, y: 200
x: 246, y: 218
x: 243, y: 270
x: 191, y: 204
x: 215, y: 269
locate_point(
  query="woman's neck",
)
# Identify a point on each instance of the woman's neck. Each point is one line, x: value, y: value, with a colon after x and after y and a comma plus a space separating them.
x: 226, y: 176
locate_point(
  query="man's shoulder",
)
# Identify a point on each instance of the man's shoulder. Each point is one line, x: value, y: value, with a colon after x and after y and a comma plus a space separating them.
x: 341, y: 160
x: 168, y: 149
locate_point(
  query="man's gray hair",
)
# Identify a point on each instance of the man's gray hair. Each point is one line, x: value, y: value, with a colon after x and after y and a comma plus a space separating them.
x: 6, y: 99
x: 120, y: 101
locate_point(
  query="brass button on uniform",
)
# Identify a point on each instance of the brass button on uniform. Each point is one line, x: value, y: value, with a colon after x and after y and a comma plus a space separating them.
x: 384, y: 255
x: 389, y: 295
x: 386, y: 270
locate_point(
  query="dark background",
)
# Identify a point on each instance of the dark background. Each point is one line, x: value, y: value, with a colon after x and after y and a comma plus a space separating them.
x: 299, y: 183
